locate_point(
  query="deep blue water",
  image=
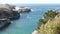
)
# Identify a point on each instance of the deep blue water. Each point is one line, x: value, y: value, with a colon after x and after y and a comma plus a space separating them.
x: 28, y: 22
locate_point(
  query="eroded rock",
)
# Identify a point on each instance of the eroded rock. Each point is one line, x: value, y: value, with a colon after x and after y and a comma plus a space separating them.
x: 7, y: 14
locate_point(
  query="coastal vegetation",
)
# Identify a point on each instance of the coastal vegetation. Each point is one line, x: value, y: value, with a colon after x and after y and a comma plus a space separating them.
x: 50, y: 24
x: 48, y: 15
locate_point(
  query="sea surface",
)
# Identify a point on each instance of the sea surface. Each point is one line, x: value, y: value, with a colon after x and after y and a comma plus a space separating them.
x: 28, y: 22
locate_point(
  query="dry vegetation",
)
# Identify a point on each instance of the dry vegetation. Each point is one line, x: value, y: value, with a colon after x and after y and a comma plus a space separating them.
x: 52, y: 24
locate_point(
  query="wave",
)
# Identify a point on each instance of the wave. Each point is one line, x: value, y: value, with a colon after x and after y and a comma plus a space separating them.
x: 32, y: 10
x: 35, y: 32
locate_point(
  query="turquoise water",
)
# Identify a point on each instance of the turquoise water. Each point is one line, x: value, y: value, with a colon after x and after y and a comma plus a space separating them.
x: 28, y: 22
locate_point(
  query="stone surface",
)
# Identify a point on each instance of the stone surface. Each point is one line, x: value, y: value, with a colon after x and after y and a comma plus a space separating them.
x: 7, y: 14
x: 23, y: 9
x: 4, y: 22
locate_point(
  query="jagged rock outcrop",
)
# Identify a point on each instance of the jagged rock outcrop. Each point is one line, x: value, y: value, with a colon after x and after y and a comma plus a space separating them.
x: 7, y: 14
x: 4, y: 22
x: 24, y: 9
x: 7, y: 11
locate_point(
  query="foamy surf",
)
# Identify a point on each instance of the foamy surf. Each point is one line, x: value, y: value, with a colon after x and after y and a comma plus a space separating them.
x: 32, y: 10
x: 35, y: 32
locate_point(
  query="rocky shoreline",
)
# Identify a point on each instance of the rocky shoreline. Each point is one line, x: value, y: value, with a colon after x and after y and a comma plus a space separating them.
x: 24, y: 9
x: 4, y: 22
x: 8, y: 13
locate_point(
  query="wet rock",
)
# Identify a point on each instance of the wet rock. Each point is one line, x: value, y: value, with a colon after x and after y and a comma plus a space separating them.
x: 14, y: 15
x: 4, y: 22
x: 7, y: 12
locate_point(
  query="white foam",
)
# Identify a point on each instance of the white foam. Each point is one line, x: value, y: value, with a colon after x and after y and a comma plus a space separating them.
x: 32, y: 10
x: 17, y: 8
x: 35, y: 32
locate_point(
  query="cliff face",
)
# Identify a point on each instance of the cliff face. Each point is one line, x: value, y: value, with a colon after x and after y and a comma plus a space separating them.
x: 6, y: 11
x: 7, y: 14
x: 51, y: 27
x: 7, y: 6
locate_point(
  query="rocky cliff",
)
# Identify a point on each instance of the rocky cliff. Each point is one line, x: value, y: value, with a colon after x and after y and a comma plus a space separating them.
x: 52, y: 26
x: 7, y: 14
x: 6, y: 11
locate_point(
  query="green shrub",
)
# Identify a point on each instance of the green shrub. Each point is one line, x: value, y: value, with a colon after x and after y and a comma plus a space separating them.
x: 51, y: 27
x: 47, y: 16
x: 50, y: 24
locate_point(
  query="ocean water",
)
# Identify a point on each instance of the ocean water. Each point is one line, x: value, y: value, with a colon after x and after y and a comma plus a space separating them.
x: 28, y: 22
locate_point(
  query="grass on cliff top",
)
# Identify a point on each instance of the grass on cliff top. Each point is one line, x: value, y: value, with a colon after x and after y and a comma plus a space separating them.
x: 51, y: 27
x: 50, y: 24
x: 49, y: 14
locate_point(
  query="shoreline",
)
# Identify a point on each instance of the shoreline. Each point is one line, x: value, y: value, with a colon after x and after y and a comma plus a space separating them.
x: 35, y: 32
